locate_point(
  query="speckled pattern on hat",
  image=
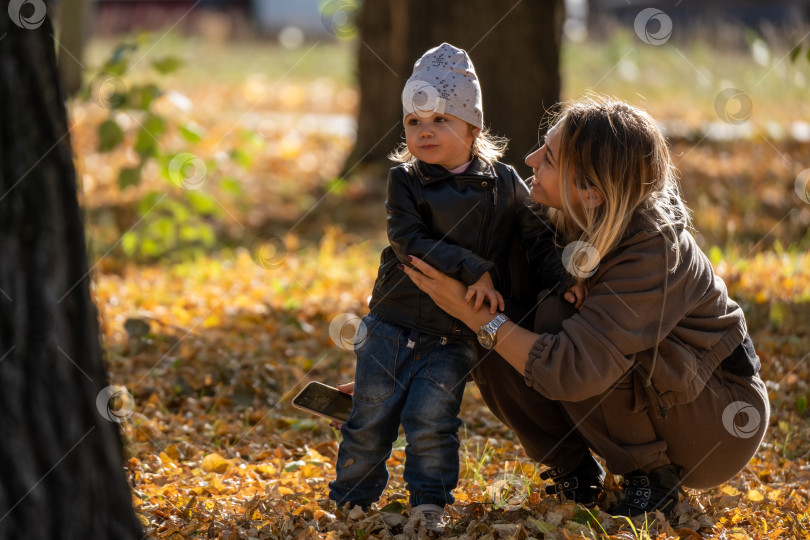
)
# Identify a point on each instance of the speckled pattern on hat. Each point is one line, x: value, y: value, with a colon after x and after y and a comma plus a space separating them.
x: 444, y: 82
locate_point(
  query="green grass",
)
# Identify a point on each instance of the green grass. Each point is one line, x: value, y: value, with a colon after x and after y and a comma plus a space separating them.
x: 208, y: 61
x: 681, y: 81
x: 673, y: 81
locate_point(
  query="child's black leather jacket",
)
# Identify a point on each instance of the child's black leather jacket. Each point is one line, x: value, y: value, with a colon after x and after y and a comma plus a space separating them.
x: 463, y: 225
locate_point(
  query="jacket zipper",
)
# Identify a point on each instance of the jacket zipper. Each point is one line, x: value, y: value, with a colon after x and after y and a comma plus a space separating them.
x: 483, y: 244
x: 388, y: 271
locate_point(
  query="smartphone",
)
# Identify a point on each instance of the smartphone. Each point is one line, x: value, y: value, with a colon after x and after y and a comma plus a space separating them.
x: 323, y: 400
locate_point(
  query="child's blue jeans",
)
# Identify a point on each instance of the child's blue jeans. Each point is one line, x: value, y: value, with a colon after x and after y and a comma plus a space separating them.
x: 419, y: 385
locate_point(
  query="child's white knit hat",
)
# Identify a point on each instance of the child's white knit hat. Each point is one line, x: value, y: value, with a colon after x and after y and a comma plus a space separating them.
x: 444, y: 82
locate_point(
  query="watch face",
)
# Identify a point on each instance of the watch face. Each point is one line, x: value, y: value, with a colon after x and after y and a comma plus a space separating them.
x: 485, y: 339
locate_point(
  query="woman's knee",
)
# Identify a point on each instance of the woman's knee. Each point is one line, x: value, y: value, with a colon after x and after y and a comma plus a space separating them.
x: 737, y: 424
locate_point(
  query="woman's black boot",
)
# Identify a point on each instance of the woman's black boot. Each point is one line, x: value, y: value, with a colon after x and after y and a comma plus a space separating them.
x: 583, y: 484
x: 657, y: 490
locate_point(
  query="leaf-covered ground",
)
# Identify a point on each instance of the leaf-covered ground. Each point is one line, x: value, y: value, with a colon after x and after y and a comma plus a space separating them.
x: 214, y: 341
x: 214, y: 449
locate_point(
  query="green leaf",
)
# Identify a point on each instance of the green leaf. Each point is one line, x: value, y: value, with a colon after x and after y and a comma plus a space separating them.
x: 801, y: 404
x: 129, y: 243
x: 148, y: 202
x: 336, y: 186
x: 584, y: 516
x: 543, y: 527
x: 110, y: 135
x: 122, y: 52
x: 149, y: 248
x: 164, y: 230
x: 118, y: 62
x: 116, y: 68
x: 231, y: 185
x: 251, y: 137
x: 155, y: 124
x: 141, y: 97
x: 167, y: 64
x: 145, y: 144
x: 179, y: 211
x: 241, y: 157
x: 294, y: 465
x: 129, y: 176
x: 202, y: 203
x: 394, y: 507
x: 715, y: 255
x: 808, y: 54
x: 189, y: 233
x: 794, y: 52
x: 192, y: 132
x: 207, y: 235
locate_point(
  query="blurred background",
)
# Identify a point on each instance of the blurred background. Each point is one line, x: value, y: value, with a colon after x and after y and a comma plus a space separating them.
x: 232, y: 162
x: 284, y: 102
x: 208, y: 133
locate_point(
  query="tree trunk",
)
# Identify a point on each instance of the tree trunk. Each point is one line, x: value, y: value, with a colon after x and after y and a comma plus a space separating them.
x: 514, y: 46
x: 61, y: 466
x: 74, y: 30
x: 383, y: 64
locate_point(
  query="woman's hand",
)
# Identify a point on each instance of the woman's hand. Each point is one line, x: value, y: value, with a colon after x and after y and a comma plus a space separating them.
x: 513, y: 343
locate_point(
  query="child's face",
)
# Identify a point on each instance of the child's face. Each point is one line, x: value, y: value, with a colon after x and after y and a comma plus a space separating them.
x: 439, y: 139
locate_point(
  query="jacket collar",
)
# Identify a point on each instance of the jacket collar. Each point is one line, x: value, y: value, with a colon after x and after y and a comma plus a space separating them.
x: 643, y: 225
x: 428, y: 173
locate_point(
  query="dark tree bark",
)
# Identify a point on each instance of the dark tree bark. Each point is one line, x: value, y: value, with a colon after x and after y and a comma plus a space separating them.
x: 515, y: 47
x: 61, y: 465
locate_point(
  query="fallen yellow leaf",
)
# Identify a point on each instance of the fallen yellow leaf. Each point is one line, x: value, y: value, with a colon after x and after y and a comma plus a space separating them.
x: 215, y: 463
x: 730, y: 490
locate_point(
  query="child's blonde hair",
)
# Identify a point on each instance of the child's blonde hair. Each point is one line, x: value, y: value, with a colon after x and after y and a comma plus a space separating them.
x: 618, y: 150
x: 487, y: 147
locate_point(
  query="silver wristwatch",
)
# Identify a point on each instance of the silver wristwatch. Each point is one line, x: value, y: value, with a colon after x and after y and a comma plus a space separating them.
x: 489, y: 332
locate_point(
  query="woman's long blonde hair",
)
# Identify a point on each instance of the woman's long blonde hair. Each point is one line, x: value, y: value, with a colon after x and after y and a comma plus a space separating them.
x: 618, y: 150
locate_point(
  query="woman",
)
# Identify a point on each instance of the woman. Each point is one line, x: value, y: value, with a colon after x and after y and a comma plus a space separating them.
x: 655, y: 371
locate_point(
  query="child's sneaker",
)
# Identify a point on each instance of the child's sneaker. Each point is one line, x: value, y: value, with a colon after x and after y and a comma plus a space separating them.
x: 434, y: 516
x: 657, y: 490
x: 583, y: 484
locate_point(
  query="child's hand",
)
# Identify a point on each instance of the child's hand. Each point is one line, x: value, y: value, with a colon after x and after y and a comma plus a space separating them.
x: 576, y: 294
x: 484, y: 289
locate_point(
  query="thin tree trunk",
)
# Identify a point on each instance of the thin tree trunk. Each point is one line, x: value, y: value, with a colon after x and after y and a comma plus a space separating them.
x: 515, y: 47
x: 61, y: 466
x: 74, y: 30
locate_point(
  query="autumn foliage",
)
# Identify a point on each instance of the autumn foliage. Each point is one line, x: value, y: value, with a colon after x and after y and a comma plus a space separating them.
x: 217, y: 308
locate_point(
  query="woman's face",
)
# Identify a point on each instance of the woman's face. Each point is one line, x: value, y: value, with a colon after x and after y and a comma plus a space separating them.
x: 545, y: 187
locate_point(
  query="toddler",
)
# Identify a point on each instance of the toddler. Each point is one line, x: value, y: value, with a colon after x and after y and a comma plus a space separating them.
x: 451, y: 203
